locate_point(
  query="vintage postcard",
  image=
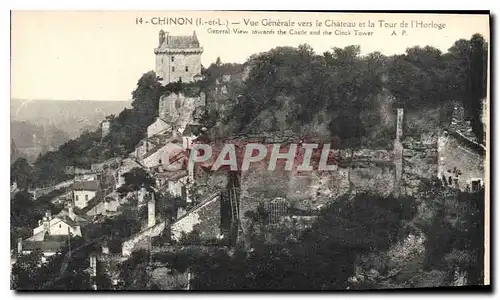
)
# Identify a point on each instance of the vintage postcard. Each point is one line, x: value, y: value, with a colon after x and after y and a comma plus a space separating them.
x: 232, y: 150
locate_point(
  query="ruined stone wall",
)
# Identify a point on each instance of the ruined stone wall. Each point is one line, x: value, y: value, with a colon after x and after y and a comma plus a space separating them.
x: 372, y: 177
x: 205, y: 219
x: 420, y: 160
x: 140, y: 240
x: 455, y: 154
x: 365, y: 170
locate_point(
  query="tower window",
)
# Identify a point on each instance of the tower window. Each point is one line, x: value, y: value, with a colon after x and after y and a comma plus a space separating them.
x: 172, y: 58
x: 162, y: 60
x: 173, y: 69
x: 187, y: 68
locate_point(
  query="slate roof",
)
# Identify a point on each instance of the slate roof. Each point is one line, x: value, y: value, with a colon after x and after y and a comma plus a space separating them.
x: 91, y: 185
x: 69, y: 221
x: 65, y: 214
x: 50, y: 243
x: 45, y: 246
x: 180, y: 42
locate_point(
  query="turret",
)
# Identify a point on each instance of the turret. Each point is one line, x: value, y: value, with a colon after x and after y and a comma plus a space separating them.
x: 161, y: 37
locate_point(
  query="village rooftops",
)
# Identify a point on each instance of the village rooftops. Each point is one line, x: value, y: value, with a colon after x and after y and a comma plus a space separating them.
x: 91, y: 185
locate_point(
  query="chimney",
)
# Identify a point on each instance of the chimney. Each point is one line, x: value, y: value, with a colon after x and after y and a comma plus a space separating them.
x: 398, y: 153
x: 190, y: 167
x: 141, y: 195
x: 399, y: 125
x: 19, y: 245
x: 71, y: 212
x: 151, y: 212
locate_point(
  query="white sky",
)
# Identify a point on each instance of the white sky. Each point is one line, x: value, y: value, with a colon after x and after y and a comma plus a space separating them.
x: 101, y: 55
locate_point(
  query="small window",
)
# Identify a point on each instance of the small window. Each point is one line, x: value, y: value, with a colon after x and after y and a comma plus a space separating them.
x: 187, y: 69
x: 173, y: 69
x: 162, y: 60
x: 59, y: 225
x: 172, y: 58
x: 76, y: 197
x: 86, y: 197
x: 476, y: 185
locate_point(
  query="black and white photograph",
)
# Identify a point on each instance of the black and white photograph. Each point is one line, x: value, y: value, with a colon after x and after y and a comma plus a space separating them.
x: 249, y: 151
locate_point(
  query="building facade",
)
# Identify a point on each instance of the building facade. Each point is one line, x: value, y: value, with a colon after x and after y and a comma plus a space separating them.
x: 84, y: 191
x: 178, y: 58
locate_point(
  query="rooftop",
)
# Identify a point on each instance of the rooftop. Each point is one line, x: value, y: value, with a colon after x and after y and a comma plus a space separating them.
x: 180, y: 42
x: 91, y: 185
x: 50, y: 244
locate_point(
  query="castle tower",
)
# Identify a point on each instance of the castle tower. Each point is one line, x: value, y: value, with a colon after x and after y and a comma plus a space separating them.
x: 178, y: 58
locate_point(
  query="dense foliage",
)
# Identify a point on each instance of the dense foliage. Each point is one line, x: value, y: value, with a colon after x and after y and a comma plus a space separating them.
x: 348, y: 97
x: 25, y: 213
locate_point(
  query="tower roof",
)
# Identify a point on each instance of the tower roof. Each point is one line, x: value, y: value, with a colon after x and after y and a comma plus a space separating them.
x: 180, y: 42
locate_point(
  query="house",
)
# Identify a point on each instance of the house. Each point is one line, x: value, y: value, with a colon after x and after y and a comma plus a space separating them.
x: 60, y: 225
x: 108, y: 206
x: 49, y: 246
x: 84, y: 191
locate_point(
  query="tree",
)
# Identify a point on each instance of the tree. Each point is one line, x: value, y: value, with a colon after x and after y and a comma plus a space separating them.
x: 138, y: 178
x: 21, y: 172
x: 24, y: 271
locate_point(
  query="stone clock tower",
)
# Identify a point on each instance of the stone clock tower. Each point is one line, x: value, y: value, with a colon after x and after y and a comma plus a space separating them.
x: 178, y: 58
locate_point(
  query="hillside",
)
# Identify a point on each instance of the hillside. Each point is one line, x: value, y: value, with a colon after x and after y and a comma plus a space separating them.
x: 71, y: 116
x: 339, y: 95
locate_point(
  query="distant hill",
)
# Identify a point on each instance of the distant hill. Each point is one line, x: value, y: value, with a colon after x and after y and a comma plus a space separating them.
x: 70, y: 116
x: 41, y: 125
